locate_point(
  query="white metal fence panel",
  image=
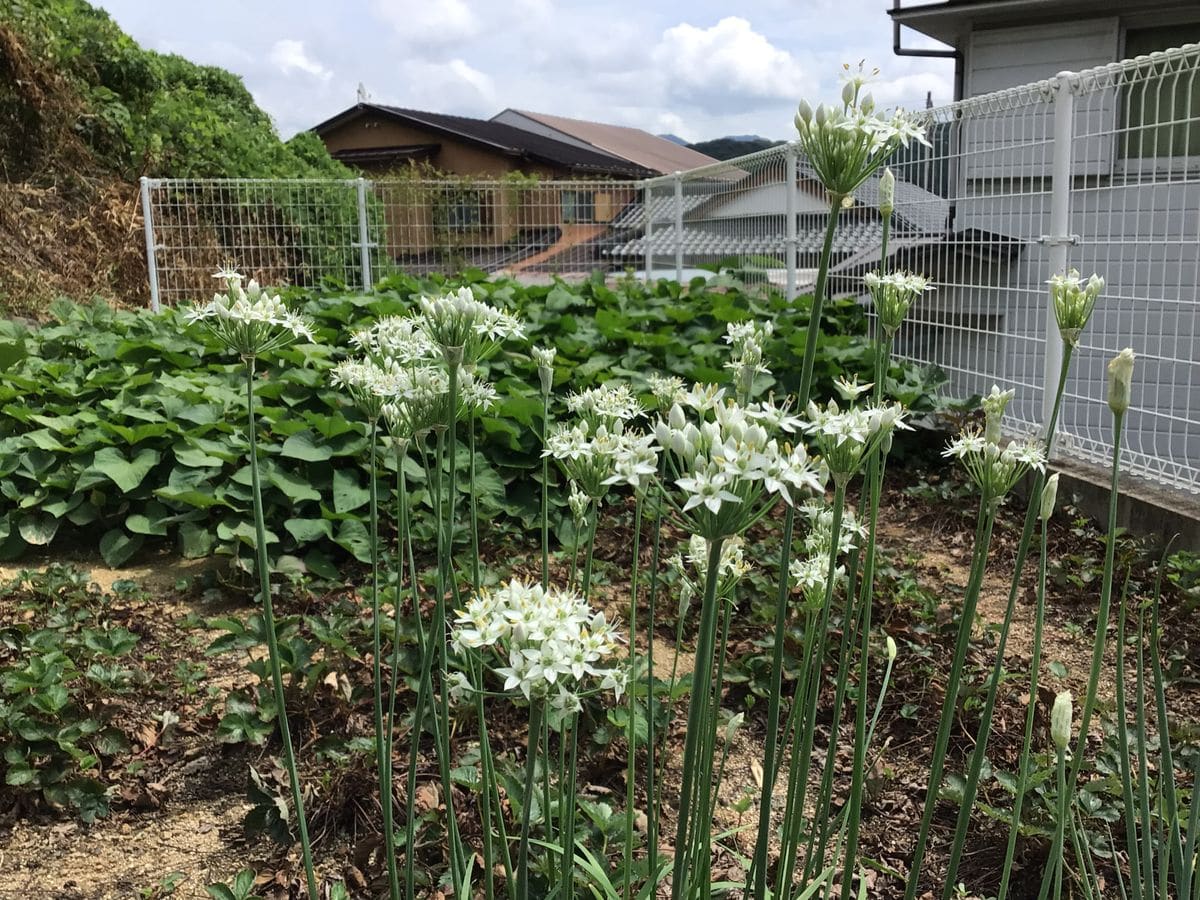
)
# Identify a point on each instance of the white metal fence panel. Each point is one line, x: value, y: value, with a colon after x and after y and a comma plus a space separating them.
x: 354, y: 232
x: 1098, y: 171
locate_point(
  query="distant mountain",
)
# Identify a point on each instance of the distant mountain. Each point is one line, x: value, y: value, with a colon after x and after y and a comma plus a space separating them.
x: 674, y: 139
x: 733, y: 145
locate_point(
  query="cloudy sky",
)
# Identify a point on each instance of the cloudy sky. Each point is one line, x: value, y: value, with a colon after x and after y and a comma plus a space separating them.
x: 698, y: 69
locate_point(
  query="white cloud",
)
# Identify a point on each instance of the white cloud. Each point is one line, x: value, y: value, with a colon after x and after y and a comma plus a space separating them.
x: 419, y: 22
x: 726, y: 66
x: 289, y: 56
x: 452, y: 87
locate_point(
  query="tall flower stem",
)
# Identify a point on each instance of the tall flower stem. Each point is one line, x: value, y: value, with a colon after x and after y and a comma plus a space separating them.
x: 631, y: 727
x: 652, y: 806
x: 485, y: 801
x: 1089, y: 703
x: 818, y: 302
x: 975, y: 768
x: 758, y: 875
x: 535, y: 732
x: 383, y: 760
x: 1039, y: 624
x: 1132, y: 846
x: 545, y: 494
x: 438, y: 644
x: 983, y: 539
x: 567, y: 818
x: 689, y: 833
x: 808, y: 696
x: 472, y: 502
x: 858, y: 772
x: 586, y: 586
x: 262, y: 564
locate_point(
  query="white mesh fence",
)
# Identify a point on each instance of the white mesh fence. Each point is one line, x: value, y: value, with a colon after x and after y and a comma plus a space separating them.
x: 1098, y: 170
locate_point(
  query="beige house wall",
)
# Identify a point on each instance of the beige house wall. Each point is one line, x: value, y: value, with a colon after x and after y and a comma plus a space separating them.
x: 409, y: 206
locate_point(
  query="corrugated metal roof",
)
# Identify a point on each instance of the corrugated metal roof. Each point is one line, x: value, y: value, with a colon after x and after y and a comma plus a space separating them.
x: 698, y: 242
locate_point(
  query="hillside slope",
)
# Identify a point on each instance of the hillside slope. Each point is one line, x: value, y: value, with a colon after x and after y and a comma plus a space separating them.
x: 85, y: 111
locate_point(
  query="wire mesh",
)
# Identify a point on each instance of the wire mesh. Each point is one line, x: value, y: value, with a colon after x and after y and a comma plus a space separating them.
x: 975, y: 210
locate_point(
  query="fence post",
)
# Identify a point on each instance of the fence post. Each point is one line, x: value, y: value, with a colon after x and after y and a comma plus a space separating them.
x: 364, y: 235
x: 647, y: 207
x: 679, y: 227
x: 789, y: 239
x: 151, y: 260
x: 1059, y: 237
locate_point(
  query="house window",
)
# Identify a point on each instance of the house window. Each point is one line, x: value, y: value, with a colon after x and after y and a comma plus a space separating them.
x: 460, y: 210
x: 578, y: 206
x: 1160, y: 116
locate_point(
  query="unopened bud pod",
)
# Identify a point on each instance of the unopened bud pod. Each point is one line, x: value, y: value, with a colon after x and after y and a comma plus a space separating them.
x: 820, y: 115
x: 1049, y: 495
x: 1060, y: 720
x: 887, y: 193
x: 1120, y: 378
x: 867, y: 106
x: 891, y: 649
x: 804, y: 113
x: 732, y: 726
x: 849, y: 89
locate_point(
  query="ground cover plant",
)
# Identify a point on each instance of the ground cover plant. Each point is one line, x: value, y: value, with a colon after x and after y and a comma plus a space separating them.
x: 578, y: 619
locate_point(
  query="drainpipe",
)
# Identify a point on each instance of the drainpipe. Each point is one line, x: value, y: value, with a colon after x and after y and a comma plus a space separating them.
x: 955, y: 55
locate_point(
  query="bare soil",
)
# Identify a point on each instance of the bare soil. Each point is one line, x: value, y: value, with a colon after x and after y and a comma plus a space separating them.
x: 183, y: 811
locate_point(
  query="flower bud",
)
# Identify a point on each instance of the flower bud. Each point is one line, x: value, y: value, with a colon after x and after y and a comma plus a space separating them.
x: 994, y: 405
x: 887, y: 193
x: 849, y: 89
x: 820, y: 115
x: 1060, y: 720
x: 891, y: 649
x: 804, y: 113
x: 1120, y: 377
x: 732, y: 726
x: 1049, y: 495
x: 867, y: 106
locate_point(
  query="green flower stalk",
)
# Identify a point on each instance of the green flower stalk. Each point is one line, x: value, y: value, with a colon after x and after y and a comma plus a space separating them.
x: 995, y: 471
x: 545, y: 367
x: 1060, y: 733
x: 1046, y: 511
x: 843, y: 146
x: 252, y: 322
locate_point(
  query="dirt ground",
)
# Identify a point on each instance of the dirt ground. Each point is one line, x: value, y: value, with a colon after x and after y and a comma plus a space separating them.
x: 185, y: 815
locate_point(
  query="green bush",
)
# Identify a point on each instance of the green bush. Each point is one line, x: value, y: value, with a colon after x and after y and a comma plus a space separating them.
x: 125, y: 427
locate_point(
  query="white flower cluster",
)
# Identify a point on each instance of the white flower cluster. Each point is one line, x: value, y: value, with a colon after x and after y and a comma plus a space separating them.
x: 993, y: 468
x: 846, y: 437
x: 729, y: 466
x: 892, y: 294
x: 596, y: 458
x: 691, y: 567
x: 552, y: 645
x: 747, y: 340
x: 464, y: 328
x: 249, y: 320
x: 607, y: 404
x: 817, y: 542
x: 667, y: 390
x: 846, y: 145
x: 402, y: 374
x: 809, y: 573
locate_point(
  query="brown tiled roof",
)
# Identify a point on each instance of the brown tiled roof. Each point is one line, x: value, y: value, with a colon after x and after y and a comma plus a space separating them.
x: 502, y: 138
x: 633, y: 144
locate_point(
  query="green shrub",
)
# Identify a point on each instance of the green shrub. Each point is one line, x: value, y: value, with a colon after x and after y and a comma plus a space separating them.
x: 124, y: 427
